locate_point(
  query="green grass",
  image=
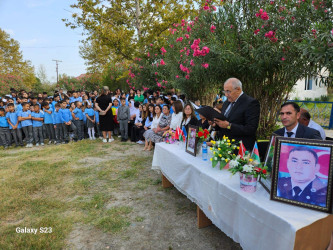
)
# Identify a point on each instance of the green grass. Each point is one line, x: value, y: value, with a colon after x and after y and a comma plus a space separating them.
x: 51, y: 187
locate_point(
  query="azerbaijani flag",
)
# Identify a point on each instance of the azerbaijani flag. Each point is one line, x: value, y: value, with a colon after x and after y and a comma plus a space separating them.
x: 255, y: 153
x: 184, y: 132
x: 242, y: 150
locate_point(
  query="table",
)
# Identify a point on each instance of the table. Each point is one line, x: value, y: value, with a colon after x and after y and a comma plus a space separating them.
x: 251, y: 219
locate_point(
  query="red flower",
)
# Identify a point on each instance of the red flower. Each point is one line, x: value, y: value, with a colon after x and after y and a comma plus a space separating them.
x: 264, y: 171
x: 206, y: 132
x: 200, y: 134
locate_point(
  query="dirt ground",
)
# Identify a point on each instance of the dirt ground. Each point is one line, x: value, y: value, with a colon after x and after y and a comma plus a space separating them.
x: 95, y: 195
x: 160, y: 219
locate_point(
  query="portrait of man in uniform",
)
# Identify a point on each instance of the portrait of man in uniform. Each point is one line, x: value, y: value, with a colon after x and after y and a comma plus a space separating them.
x: 300, y: 178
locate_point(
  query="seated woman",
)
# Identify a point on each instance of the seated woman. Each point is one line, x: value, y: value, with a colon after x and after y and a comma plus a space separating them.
x: 189, y: 117
x: 156, y: 134
x: 147, y: 121
x: 177, y: 115
x: 203, y: 122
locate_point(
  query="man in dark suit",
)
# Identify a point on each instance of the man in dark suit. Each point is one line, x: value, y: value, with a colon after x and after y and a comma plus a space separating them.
x: 289, y: 114
x: 303, y: 185
x: 242, y: 113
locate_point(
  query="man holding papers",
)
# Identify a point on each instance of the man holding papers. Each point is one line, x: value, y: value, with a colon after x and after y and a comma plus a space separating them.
x: 241, y: 114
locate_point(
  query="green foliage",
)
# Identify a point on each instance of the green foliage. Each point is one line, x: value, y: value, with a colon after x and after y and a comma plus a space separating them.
x: 115, y: 76
x: 324, y: 98
x: 87, y: 82
x: 120, y: 30
x: 12, y: 62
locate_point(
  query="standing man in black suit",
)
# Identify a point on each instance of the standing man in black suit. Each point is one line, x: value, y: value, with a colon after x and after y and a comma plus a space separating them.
x: 242, y: 113
x: 289, y: 114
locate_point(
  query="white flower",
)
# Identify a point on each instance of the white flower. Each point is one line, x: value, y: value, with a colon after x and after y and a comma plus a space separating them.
x: 215, y: 158
x: 247, y: 168
x: 223, y: 159
x: 229, y: 152
x: 233, y: 163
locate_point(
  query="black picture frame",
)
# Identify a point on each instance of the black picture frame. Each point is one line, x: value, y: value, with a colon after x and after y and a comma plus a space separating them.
x: 302, y: 160
x: 269, y: 162
x: 192, y: 140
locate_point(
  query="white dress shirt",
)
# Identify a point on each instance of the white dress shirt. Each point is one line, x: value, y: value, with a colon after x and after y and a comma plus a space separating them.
x: 156, y: 121
x: 293, y: 130
x: 176, y: 120
x: 316, y: 126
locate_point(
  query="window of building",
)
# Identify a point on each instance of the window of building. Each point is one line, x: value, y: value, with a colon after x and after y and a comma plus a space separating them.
x: 308, y: 83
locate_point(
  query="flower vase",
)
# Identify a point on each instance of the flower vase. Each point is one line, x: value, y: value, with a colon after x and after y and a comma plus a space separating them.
x: 248, y: 183
x: 199, y: 149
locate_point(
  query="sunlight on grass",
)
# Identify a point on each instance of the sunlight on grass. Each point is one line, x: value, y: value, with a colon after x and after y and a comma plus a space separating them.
x: 55, y: 187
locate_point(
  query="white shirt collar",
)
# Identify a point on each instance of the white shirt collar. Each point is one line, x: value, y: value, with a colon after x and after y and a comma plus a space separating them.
x: 301, y: 186
x: 239, y: 96
x: 294, y: 130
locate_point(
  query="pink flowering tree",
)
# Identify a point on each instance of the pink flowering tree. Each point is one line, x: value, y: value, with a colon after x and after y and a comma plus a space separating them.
x: 8, y: 81
x: 263, y: 43
x: 150, y: 71
x: 268, y: 45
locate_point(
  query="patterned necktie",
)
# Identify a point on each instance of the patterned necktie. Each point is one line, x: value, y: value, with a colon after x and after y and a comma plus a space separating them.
x: 290, y: 134
x: 226, y: 114
x: 297, y: 191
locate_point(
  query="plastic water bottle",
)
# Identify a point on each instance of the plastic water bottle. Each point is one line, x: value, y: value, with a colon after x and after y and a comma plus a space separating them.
x: 204, y: 151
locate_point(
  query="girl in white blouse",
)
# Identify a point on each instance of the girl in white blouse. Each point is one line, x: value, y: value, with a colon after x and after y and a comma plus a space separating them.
x: 177, y: 115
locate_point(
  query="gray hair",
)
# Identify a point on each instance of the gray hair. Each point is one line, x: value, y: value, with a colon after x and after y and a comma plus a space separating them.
x: 235, y: 82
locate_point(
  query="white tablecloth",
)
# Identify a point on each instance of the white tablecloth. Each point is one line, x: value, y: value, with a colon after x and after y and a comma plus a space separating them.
x: 251, y: 219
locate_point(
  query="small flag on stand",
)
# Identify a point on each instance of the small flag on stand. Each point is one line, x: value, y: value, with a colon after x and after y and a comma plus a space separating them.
x: 255, y: 153
x: 242, y: 150
x: 177, y: 133
x: 184, y: 132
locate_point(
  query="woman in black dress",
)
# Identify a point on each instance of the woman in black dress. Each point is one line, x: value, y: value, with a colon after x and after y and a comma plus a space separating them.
x: 103, y: 105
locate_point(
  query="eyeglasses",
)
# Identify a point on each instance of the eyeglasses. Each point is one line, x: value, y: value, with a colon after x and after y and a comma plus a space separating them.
x: 227, y: 91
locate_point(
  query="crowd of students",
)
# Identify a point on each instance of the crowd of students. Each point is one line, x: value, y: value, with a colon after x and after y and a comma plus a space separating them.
x: 33, y: 119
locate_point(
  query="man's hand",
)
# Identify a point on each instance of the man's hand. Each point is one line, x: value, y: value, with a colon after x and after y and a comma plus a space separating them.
x: 221, y: 124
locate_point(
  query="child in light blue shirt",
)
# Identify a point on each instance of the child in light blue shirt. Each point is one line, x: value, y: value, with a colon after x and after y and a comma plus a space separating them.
x: 14, y: 125
x: 90, y: 115
x: 97, y: 123
x: 59, y: 133
x: 78, y: 119
x: 24, y: 117
x: 48, y: 122
x: 37, y: 125
x: 4, y: 129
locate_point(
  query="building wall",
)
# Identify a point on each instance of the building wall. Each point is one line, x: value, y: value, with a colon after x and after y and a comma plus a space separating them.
x: 307, y: 88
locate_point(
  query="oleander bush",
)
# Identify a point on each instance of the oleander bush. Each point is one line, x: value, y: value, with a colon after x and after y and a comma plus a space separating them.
x: 268, y: 45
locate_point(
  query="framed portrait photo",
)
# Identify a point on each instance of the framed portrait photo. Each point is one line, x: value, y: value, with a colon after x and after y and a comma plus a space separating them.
x: 303, y: 173
x: 269, y: 159
x: 191, y: 140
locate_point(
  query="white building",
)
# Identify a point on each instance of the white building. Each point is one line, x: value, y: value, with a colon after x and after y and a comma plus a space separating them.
x: 310, y: 87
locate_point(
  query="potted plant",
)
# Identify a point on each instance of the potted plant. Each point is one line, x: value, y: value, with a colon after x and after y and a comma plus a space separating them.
x: 223, y: 151
x: 249, y: 170
x: 202, y: 135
